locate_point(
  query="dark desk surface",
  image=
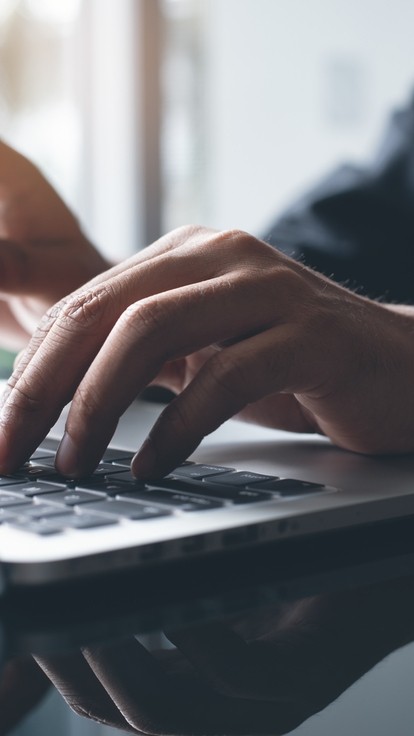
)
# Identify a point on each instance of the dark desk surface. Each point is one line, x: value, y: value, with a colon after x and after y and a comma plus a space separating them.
x: 311, y: 637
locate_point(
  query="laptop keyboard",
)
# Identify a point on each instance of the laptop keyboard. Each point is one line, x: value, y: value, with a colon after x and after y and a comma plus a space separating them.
x: 38, y: 499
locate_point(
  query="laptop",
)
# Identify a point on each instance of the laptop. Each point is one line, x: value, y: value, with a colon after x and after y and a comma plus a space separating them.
x: 244, y: 487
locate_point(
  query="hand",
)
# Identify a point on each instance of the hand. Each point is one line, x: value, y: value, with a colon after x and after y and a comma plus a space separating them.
x: 266, y: 673
x: 43, y: 252
x: 22, y: 687
x: 240, y: 327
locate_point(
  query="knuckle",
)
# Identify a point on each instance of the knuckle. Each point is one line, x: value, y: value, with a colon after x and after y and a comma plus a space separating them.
x: 238, y: 240
x: 21, y: 399
x: 185, y: 234
x: 250, y: 252
x: 235, y: 235
x: 146, y: 316
x: 52, y: 313
x: 189, y: 231
x: 84, y: 310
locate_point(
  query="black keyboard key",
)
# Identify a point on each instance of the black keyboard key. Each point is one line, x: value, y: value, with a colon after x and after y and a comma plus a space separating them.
x: 199, y: 471
x: 6, y: 480
x: 90, y: 521
x: 41, y: 511
x: 83, y: 520
x: 43, y: 527
x: 7, y: 515
x: 241, y: 478
x: 247, y: 495
x: 46, y: 469
x: 72, y: 497
x: 291, y: 487
x: 106, y: 469
x: 57, y: 518
x: 125, y: 476
x: 176, y: 500
x: 33, y: 471
x: 109, y: 486
x: 224, y: 493
x: 8, y: 499
x: 36, y: 488
x: 128, y: 509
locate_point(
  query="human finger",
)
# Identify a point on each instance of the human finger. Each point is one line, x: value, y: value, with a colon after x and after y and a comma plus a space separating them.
x: 143, y: 339
x: 76, y: 682
x: 183, y: 238
x: 147, y: 282
x: 281, y: 411
x: 67, y: 340
x: 229, y: 381
x: 152, y: 701
x: 26, y: 402
x: 48, y: 320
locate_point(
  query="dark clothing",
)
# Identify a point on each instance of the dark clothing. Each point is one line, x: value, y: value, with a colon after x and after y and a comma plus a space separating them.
x: 357, y: 225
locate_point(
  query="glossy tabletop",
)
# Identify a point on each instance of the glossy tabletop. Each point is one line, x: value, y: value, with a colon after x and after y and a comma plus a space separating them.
x: 310, y: 638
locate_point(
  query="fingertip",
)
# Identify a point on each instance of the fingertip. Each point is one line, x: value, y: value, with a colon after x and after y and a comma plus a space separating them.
x: 67, y: 457
x: 144, y: 463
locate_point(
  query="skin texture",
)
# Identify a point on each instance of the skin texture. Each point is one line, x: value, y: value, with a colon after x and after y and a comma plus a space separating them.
x: 235, y: 328
x: 43, y: 252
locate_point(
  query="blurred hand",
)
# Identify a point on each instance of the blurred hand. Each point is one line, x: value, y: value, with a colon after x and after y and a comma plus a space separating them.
x: 235, y: 328
x: 219, y: 680
x: 43, y: 252
x: 22, y: 687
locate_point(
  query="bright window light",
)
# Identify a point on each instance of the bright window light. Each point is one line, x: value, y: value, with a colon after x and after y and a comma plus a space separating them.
x: 6, y: 9
x: 58, y: 12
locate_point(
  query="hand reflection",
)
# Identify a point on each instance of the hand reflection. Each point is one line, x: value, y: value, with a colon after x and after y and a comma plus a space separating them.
x: 22, y: 687
x: 264, y: 674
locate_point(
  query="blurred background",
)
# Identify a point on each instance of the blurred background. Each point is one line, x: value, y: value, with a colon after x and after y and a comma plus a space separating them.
x: 149, y: 114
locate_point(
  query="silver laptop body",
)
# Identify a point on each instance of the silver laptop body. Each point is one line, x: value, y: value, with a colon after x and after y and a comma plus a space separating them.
x: 352, y: 490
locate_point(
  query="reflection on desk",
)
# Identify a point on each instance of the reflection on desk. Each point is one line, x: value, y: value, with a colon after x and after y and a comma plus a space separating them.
x: 263, y: 672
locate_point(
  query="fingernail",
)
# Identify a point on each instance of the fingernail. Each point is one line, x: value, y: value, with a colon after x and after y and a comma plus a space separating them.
x: 144, y: 462
x: 67, y: 460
